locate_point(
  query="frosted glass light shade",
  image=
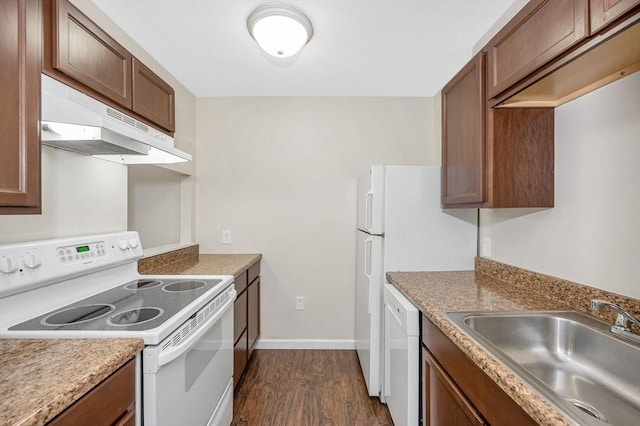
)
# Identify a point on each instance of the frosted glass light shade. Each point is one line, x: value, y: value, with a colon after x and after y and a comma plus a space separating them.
x: 279, y: 29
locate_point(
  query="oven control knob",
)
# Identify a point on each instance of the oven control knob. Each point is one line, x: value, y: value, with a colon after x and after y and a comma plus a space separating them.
x: 133, y: 243
x: 32, y: 261
x: 8, y: 265
x: 123, y: 244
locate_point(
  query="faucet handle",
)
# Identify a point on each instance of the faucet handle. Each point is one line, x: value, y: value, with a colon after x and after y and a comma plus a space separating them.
x: 623, y: 317
x: 597, y: 304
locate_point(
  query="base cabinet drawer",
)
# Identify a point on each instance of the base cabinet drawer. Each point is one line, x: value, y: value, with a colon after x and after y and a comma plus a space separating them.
x: 112, y: 402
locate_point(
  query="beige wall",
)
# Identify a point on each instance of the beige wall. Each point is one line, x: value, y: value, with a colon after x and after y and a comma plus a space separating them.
x: 280, y: 173
x: 154, y: 205
x: 185, y: 136
x: 592, y: 236
x: 80, y: 195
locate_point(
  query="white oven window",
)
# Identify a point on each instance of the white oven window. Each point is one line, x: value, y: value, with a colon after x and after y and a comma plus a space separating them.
x: 201, y: 355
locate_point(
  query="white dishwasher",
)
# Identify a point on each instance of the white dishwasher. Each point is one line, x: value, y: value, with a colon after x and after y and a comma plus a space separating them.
x: 402, y: 358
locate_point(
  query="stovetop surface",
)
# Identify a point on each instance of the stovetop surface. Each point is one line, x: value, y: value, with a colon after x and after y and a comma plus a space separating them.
x: 139, y: 305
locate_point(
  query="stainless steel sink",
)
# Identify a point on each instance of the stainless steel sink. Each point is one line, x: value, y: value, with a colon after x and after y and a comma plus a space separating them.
x: 572, y: 359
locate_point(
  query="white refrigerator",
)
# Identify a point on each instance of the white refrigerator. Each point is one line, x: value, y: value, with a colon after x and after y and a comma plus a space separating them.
x: 401, y: 227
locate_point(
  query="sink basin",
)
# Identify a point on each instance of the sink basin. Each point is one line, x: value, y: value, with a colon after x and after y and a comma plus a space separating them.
x: 570, y: 358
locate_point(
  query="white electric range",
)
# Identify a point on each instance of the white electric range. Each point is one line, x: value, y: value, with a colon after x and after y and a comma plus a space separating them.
x: 89, y: 287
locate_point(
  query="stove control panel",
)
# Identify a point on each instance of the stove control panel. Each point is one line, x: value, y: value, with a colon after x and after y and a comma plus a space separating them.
x: 25, y: 266
x: 80, y: 253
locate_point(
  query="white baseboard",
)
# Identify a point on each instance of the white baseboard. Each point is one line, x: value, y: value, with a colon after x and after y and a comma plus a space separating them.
x: 306, y: 344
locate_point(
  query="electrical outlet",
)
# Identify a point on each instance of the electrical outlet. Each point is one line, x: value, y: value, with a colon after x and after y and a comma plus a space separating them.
x: 485, y: 250
x: 299, y: 303
x: 226, y: 236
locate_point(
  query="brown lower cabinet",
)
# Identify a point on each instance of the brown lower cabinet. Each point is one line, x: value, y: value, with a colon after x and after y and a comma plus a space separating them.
x: 246, y: 319
x: 111, y: 403
x: 456, y: 392
x: 445, y: 404
x: 239, y: 358
x: 253, y: 315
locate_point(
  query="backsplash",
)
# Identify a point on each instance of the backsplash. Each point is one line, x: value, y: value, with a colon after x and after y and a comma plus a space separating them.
x: 578, y: 296
x: 166, y: 263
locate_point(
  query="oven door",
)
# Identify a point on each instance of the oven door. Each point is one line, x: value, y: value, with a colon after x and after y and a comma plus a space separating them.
x: 190, y: 382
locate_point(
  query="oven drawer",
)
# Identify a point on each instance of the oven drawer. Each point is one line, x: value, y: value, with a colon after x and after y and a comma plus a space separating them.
x: 112, y: 402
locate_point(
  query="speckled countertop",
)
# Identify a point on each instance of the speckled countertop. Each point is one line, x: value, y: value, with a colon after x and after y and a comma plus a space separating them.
x: 437, y: 292
x: 188, y: 261
x: 222, y: 264
x: 41, y: 378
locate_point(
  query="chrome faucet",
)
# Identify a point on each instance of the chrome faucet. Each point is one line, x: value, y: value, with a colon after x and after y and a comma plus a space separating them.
x: 621, y: 326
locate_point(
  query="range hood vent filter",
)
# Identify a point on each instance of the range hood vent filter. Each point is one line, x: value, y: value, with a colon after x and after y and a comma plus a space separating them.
x: 88, y: 140
x: 75, y: 122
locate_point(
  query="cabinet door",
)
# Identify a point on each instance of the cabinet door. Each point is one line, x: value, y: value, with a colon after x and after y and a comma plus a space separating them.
x: 444, y: 403
x: 153, y: 98
x: 463, y: 136
x: 253, y: 313
x: 540, y: 32
x: 20, y: 47
x: 85, y: 52
x: 239, y: 315
x: 603, y: 12
x: 112, y: 402
x: 239, y: 359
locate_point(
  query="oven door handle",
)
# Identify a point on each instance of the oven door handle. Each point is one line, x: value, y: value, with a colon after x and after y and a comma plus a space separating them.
x: 168, y: 356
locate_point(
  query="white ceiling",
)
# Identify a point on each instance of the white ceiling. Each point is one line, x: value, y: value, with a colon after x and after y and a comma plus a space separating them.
x: 359, y: 47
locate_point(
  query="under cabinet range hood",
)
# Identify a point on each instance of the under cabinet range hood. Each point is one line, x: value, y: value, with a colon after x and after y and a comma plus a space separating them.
x: 75, y: 122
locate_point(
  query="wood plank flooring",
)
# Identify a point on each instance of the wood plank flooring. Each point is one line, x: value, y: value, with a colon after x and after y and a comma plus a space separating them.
x: 306, y: 388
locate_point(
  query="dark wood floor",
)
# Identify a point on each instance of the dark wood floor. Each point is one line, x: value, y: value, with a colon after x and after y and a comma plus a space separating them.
x: 305, y: 388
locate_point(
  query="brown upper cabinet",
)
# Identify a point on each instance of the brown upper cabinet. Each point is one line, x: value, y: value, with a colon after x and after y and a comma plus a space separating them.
x: 497, y: 117
x: 540, y: 32
x: 83, y: 51
x: 153, y: 98
x: 463, y: 129
x: 554, y: 51
x: 603, y: 12
x: 20, y: 106
x: 493, y: 157
x: 82, y: 55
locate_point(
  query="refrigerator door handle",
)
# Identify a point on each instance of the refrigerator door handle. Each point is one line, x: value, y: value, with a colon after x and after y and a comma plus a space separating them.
x: 367, y: 267
x: 368, y: 221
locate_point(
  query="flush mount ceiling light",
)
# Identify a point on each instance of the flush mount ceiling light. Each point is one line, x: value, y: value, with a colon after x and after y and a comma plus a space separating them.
x: 279, y: 29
